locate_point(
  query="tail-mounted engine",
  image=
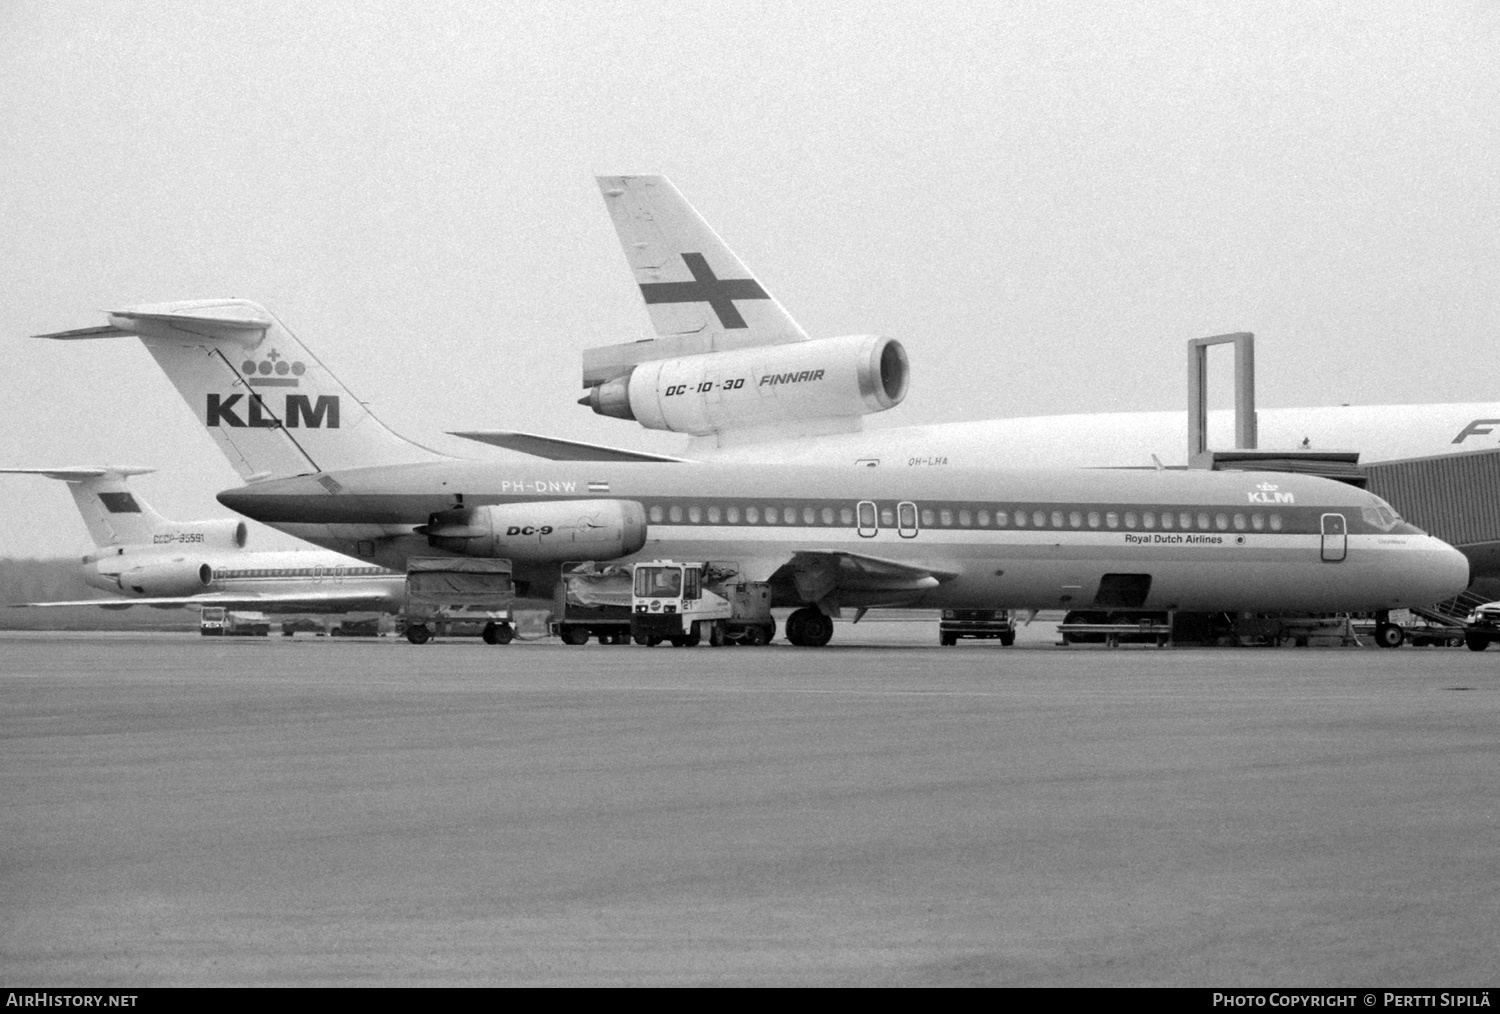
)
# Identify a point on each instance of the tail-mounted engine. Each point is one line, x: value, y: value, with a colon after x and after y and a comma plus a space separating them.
x: 546, y: 532
x: 701, y: 394
x: 166, y: 578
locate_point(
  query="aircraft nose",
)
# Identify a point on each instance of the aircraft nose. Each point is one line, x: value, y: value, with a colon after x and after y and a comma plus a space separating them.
x: 1445, y: 570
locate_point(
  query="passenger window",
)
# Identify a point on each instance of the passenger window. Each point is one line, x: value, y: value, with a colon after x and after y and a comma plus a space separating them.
x: 1203, y: 520
x: 846, y: 516
x: 655, y: 514
x: 732, y: 515
x: 1148, y: 520
x: 770, y: 515
x: 1093, y: 519
x: 946, y: 518
x: 928, y: 518
x: 1275, y: 522
x: 1130, y: 519
x: 1075, y: 519
x: 965, y: 518
x: 1039, y: 519
x: 1112, y: 519
x: 1221, y: 522
x: 828, y: 515
x: 675, y: 514
x: 887, y: 517
x: 984, y: 519
x: 1001, y: 519
x: 752, y: 515
x: 695, y: 514
x: 1239, y: 522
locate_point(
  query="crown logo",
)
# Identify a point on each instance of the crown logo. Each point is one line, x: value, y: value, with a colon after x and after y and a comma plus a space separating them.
x: 1267, y: 487
x: 273, y: 371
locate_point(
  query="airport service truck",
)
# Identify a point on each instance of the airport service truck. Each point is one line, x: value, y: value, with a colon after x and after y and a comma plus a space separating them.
x: 981, y: 624
x: 688, y: 603
x: 464, y: 595
x: 592, y: 600
x: 217, y: 621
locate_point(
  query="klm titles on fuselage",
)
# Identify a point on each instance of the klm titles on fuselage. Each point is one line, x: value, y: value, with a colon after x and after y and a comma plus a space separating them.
x: 301, y: 411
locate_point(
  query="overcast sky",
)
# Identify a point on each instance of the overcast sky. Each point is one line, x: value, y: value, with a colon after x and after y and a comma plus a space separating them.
x: 1043, y: 201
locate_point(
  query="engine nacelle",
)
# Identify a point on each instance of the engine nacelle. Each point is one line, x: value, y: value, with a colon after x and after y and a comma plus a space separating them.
x: 547, y: 532
x: 221, y: 533
x: 830, y: 377
x: 175, y: 576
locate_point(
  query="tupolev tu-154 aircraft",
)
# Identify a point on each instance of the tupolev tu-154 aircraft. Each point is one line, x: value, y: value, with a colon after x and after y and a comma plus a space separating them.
x: 151, y: 560
x: 320, y: 466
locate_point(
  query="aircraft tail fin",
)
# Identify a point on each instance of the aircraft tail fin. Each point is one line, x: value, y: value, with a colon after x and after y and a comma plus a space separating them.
x: 270, y: 405
x: 115, y: 516
x: 699, y: 295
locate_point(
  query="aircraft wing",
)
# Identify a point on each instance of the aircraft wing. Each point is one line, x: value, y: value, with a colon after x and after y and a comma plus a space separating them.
x: 856, y: 579
x: 330, y: 602
x: 558, y: 450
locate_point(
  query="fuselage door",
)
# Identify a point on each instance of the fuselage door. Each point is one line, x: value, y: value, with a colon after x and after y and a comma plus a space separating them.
x: 906, y: 519
x: 868, y: 525
x: 1335, y: 538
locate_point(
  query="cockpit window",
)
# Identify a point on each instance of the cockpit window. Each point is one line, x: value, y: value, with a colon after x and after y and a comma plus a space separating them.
x: 1380, y: 515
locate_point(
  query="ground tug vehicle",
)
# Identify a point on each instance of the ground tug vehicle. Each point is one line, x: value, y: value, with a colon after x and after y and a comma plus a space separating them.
x: 688, y: 603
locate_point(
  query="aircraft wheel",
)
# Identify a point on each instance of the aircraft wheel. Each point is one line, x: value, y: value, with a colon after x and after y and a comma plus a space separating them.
x: 489, y: 633
x: 1475, y: 642
x: 946, y: 640
x: 641, y: 639
x: 1006, y: 640
x: 817, y: 629
x: 796, y: 625
x: 575, y: 635
x: 754, y: 636
x: 503, y: 633
x: 1390, y: 635
x: 418, y: 634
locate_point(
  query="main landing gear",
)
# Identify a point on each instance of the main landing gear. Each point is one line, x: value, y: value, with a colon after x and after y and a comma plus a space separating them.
x: 809, y: 627
x: 1388, y: 634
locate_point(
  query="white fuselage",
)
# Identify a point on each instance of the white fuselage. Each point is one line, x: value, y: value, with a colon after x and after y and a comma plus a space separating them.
x: 1131, y: 439
x: 929, y: 538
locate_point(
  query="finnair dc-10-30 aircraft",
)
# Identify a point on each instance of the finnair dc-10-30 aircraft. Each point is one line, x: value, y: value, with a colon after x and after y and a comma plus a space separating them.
x: 151, y: 560
x: 320, y: 466
x: 734, y: 372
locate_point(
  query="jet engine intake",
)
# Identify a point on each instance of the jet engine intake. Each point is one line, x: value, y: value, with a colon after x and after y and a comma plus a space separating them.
x: 545, y: 532
x: 851, y: 376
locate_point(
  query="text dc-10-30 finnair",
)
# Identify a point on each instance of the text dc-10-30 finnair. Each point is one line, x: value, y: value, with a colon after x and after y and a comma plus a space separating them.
x: 319, y: 466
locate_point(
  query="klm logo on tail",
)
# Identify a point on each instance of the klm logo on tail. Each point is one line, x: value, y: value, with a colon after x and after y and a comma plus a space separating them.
x: 300, y: 411
x: 273, y: 371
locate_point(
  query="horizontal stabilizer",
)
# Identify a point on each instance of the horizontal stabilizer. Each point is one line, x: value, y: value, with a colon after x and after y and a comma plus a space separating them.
x: 107, y: 331
x: 554, y: 449
x: 72, y: 473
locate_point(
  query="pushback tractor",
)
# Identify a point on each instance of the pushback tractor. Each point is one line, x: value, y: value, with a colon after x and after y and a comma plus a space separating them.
x: 688, y: 603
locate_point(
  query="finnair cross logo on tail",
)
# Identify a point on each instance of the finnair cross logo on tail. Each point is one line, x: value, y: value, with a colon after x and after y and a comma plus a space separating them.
x: 719, y: 293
